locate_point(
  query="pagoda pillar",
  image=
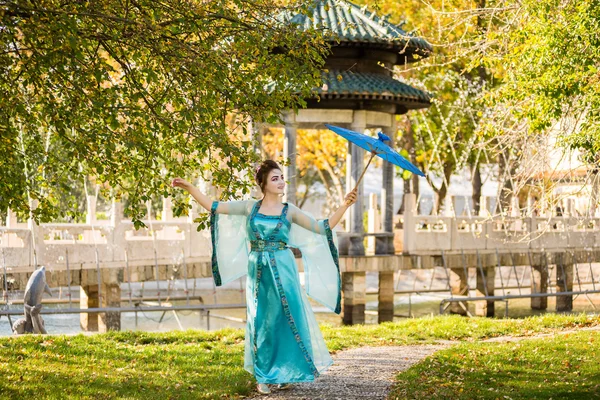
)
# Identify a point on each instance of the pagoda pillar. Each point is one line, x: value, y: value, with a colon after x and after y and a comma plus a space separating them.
x: 289, y: 153
x: 385, y: 245
x: 354, y: 283
x: 354, y: 167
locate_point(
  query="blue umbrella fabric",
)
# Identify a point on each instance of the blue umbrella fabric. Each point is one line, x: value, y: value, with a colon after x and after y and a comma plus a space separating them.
x: 376, y: 146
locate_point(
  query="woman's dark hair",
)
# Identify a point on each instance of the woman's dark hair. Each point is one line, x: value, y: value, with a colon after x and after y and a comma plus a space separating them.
x: 262, y: 172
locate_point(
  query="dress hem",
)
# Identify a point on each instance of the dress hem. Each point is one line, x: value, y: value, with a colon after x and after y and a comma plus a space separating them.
x: 311, y: 379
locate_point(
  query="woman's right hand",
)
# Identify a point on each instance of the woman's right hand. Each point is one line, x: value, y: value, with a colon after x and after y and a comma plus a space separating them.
x: 351, y: 197
x: 181, y: 183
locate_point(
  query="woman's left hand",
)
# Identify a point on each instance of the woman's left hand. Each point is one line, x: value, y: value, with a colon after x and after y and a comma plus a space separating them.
x: 351, y: 198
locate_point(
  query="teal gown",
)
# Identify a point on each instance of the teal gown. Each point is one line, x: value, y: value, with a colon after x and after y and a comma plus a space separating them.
x: 283, y: 342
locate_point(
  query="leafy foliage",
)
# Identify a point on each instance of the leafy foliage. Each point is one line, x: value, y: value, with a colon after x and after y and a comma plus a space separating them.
x: 135, y: 93
x: 448, y: 135
x: 550, y: 59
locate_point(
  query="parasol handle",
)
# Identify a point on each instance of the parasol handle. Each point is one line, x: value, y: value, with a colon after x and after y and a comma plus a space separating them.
x: 373, y: 154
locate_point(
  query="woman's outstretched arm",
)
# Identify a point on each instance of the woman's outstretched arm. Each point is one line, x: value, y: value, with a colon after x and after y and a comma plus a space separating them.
x: 339, y: 213
x: 200, y: 197
x: 222, y: 207
x: 307, y: 221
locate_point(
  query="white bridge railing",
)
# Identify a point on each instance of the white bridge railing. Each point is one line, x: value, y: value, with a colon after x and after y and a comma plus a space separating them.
x: 109, y: 242
x: 426, y: 234
x: 113, y: 242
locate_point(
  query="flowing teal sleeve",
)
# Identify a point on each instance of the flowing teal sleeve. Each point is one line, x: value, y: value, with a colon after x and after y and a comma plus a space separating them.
x: 318, y: 244
x: 229, y: 240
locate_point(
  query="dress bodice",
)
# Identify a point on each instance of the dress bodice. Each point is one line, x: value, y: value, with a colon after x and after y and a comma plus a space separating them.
x: 268, y: 227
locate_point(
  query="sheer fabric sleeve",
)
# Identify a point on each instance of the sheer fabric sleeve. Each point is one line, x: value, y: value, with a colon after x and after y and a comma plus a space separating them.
x: 229, y: 240
x: 318, y: 244
x: 239, y: 207
x: 305, y: 220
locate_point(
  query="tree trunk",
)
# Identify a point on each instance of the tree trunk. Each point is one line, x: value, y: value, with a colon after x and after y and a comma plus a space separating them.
x: 443, y: 190
x: 476, y: 182
x: 595, y: 192
x: 337, y: 181
x: 326, y: 183
x: 506, y: 171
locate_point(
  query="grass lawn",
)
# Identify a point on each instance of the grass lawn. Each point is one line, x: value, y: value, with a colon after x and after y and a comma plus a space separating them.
x: 208, y: 365
x: 560, y: 367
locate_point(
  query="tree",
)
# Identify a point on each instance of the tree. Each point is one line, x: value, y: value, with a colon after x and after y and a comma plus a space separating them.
x: 133, y: 93
x: 549, y: 55
x: 446, y: 138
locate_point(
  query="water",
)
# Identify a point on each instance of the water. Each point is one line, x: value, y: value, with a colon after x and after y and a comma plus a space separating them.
x: 201, y: 291
x: 415, y: 305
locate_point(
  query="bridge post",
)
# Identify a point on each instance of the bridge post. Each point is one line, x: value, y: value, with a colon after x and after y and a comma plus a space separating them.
x: 564, y: 281
x: 385, y: 307
x: 88, y: 298
x: 539, y: 282
x: 485, y: 287
x: 109, y: 296
x: 354, y: 288
x: 459, y: 286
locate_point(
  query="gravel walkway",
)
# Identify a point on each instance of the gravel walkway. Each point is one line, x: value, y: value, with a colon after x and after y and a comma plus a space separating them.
x: 360, y: 373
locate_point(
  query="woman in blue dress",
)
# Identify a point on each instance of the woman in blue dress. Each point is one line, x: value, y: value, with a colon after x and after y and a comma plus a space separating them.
x: 283, y: 342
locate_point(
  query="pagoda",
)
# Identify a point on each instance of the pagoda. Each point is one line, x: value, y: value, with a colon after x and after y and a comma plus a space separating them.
x: 359, y: 92
x: 358, y: 73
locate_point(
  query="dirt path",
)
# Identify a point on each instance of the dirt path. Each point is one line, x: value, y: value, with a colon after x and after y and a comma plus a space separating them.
x: 360, y: 373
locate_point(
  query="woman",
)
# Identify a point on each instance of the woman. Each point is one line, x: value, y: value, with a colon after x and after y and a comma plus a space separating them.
x: 283, y: 342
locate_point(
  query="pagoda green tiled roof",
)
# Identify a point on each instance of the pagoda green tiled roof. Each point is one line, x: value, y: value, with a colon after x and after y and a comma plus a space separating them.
x: 350, y: 24
x: 369, y: 85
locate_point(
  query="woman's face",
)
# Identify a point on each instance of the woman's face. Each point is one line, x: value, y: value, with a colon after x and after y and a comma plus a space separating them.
x: 275, y: 182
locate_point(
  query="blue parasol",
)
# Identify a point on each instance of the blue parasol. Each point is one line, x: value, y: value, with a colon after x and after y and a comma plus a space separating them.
x: 376, y: 147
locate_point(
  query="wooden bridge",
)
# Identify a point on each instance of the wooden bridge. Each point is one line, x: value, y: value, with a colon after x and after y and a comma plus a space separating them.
x: 99, y: 256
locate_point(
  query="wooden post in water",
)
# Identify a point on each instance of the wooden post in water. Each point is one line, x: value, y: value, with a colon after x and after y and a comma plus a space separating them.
x: 564, y: 281
x: 354, y: 288
x: 539, y: 281
x: 485, y: 287
x: 459, y: 286
x: 385, y: 307
x: 111, y: 297
x: 88, y: 298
